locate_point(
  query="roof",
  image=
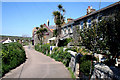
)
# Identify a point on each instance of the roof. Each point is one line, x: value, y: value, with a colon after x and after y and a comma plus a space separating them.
x: 92, y: 13
x: 98, y: 10
x: 48, y: 28
x: 7, y: 41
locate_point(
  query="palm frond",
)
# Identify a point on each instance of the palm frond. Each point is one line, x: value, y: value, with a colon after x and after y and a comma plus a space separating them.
x: 63, y: 10
x: 55, y: 13
x: 60, y: 7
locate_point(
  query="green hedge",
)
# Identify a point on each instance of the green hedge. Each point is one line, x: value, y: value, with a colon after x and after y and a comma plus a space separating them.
x: 85, y: 64
x: 64, y: 42
x: 13, y: 55
x: 59, y: 55
x: 45, y: 48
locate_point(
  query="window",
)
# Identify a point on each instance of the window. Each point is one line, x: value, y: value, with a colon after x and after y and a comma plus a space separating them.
x: 89, y: 23
x: 81, y: 25
x: 99, y: 18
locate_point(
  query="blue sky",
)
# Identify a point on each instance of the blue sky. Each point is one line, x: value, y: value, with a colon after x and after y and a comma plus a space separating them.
x: 19, y: 18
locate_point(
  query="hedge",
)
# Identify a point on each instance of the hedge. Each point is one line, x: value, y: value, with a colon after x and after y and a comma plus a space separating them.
x: 45, y: 48
x: 85, y: 64
x: 59, y: 55
x: 13, y: 55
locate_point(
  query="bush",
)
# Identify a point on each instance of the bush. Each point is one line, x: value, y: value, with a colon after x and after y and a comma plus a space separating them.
x: 59, y: 55
x: 64, y: 42
x: 85, y: 64
x: 85, y: 67
x: 45, y: 48
x: 13, y: 55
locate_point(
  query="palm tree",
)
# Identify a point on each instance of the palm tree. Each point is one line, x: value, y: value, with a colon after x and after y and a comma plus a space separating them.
x: 40, y: 33
x: 59, y: 20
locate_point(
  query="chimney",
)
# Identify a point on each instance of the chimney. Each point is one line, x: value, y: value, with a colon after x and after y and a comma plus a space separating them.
x: 47, y: 22
x: 90, y: 10
x: 69, y: 19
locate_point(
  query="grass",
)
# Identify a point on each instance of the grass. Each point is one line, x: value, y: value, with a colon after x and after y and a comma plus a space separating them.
x: 71, y: 73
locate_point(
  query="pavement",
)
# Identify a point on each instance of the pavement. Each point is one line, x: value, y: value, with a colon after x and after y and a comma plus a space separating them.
x: 38, y: 65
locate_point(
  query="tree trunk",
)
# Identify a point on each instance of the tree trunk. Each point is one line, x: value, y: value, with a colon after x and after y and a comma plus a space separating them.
x: 58, y: 36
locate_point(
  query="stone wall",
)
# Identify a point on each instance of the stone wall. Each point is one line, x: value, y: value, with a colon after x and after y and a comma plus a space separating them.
x: 102, y: 71
x: 73, y: 65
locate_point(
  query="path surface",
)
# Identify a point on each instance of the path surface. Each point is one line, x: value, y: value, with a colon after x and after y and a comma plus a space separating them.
x: 38, y: 65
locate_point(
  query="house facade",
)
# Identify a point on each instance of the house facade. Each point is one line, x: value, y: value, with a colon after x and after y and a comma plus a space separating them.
x: 48, y: 35
x: 69, y: 29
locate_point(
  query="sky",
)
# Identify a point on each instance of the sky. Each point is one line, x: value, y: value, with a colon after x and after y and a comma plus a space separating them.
x: 19, y: 18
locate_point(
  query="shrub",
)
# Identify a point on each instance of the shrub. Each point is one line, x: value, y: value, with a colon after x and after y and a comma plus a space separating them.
x: 13, y: 55
x: 85, y: 64
x: 64, y: 42
x: 45, y: 48
x: 59, y: 55
x: 85, y: 67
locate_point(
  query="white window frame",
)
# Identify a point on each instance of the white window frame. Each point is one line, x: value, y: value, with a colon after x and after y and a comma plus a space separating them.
x: 89, y: 23
x: 82, y: 24
x: 98, y: 18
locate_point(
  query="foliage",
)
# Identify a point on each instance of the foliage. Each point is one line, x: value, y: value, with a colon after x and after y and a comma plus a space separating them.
x: 40, y: 33
x: 72, y: 73
x: 85, y: 67
x: 103, y: 37
x: 59, y: 20
x: 85, y: 64
x: 13, y: 55
x: 64, y: 42
x: 59, y: 55
x: 112, y: 34
x: 83, y: 51
x: 55, y: 33
x: 25, y: 43
x: 45, y: 48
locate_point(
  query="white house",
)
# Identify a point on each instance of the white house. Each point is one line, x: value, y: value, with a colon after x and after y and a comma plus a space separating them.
x: 7, y: 41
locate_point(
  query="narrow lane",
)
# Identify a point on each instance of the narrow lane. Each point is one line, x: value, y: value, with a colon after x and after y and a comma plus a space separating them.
x: 38, y: 65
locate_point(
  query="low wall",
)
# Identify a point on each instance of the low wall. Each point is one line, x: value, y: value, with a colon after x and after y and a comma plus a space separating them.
x: 73, y: 65
x: 102, y: 71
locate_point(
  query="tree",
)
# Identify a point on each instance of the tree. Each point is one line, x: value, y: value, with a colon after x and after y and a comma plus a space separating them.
x: 59, y: 20
x: 55, y: 33
x: 112, y: 33
x: 40, y: 33
x: 104, y: 37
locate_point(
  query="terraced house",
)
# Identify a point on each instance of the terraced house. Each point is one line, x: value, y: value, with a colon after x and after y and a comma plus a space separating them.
x: 47, y: 35
x: 92, y: 16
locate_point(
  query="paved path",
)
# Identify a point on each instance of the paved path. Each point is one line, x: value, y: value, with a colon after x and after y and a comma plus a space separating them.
x: 38, y: 65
